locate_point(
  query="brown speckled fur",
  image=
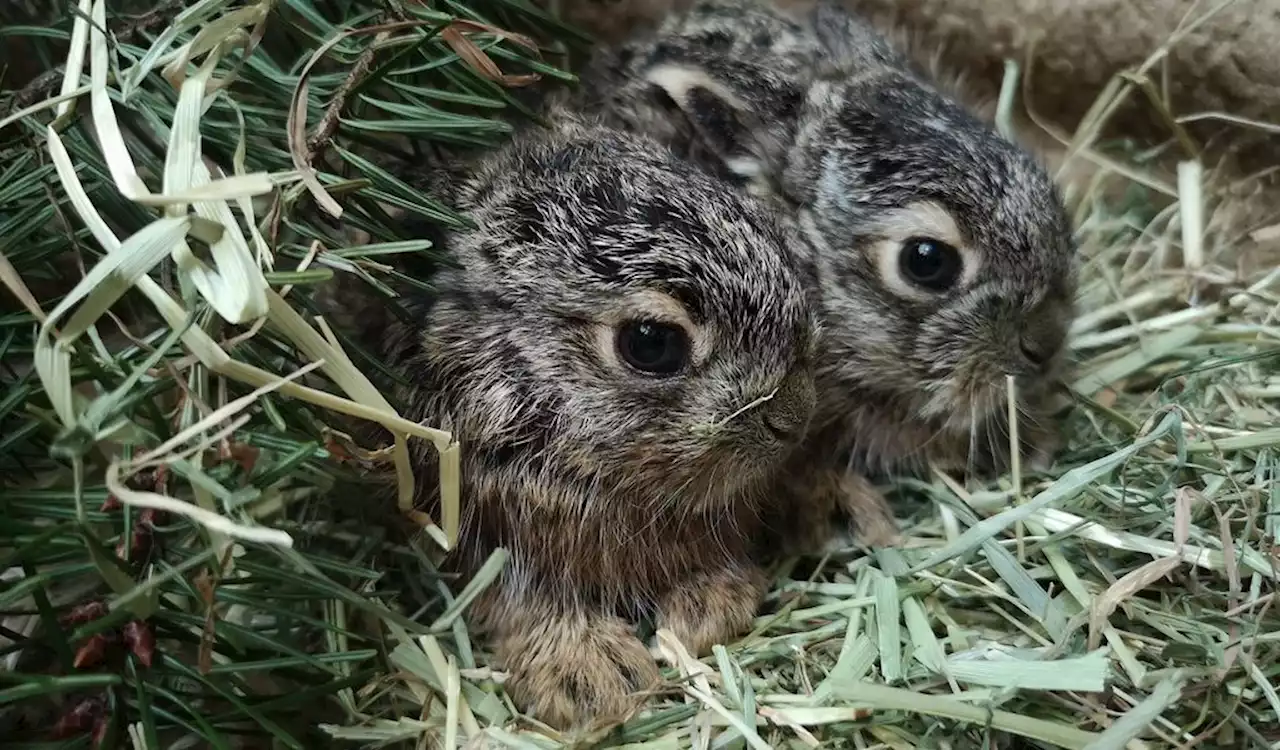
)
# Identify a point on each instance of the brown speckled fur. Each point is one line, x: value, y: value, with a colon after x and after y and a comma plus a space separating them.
x: 612, y: 500
x: 815, y: 108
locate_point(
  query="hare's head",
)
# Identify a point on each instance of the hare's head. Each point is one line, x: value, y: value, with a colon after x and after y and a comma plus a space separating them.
x: 617, y: 317
x: 946, y: 257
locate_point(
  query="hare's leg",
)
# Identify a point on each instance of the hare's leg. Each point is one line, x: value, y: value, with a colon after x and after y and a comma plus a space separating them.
x: 802, y: 523
x: 713, y: 606
x: 570, y: 665
x: 871, y: 519
x: 1041, y: 443
x: 801, y: 518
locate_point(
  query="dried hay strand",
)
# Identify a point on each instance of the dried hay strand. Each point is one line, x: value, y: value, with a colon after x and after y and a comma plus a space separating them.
x: 164, y: 219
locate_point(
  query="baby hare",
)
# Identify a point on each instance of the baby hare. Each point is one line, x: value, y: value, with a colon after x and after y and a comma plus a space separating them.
x: 624, y: 349
x: 940, y: 252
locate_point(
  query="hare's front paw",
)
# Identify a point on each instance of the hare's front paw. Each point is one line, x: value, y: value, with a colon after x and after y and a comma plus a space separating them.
x: 573, y: 670
x: 1039, y: 440
x: 802, y: 530
x: 1042, y: 447
x: 712, y: 607
x: 801, y: 522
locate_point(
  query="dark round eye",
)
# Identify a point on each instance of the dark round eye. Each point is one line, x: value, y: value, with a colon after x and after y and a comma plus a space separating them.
x: 932, y: 264
x: 655, y: 348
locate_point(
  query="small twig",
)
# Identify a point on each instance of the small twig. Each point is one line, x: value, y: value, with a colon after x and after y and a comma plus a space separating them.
x: 328, y: 125
x: 296, y: 126
x: 40, y: 87
x: 452, y: 35
x: 44, y: 84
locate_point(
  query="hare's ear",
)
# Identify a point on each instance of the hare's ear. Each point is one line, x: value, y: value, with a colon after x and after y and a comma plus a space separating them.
x: 850, y: 43
x: 724, y: 121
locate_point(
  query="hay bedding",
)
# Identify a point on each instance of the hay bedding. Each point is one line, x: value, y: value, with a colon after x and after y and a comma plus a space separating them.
x: 171, y: 577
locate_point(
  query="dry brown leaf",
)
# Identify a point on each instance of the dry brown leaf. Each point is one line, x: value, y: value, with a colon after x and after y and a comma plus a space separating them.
x: 1183, y: 499
x: 520, y: 39
x: 479, y: 60
x: 1229, y: 561
x: 1124, y: 588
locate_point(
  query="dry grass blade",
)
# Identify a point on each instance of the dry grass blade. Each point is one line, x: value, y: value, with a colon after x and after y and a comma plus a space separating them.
x: 12, y: 281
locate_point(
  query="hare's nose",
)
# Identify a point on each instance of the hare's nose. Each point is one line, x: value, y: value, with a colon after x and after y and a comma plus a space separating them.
x: 784, y: 426
x: 787, y: 414
x: 1042, y: 335
x: 1034, y: 351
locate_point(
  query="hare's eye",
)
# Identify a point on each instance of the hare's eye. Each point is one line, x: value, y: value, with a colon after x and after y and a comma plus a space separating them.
x: 652, y: 347
x: 928, y: 263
